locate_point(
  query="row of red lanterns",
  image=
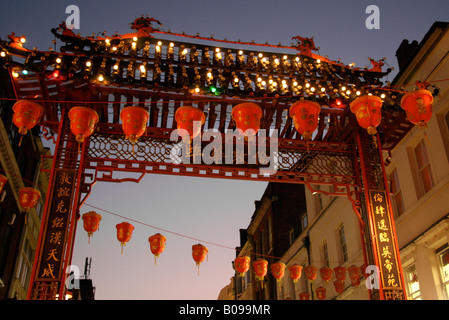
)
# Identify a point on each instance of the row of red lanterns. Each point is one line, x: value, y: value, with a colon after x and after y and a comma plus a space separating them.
x: 367, y: 109
x: 260, y: 266
x: 91, y: 223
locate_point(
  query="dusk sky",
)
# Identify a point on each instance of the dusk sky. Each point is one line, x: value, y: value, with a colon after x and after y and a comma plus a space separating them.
x: 190, y: 210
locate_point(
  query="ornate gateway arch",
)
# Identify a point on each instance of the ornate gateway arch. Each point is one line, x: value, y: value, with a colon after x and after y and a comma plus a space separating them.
x: 143, y: 68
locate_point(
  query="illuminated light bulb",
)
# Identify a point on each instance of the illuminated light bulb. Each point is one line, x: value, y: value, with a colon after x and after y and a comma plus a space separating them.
x: 236, y: 80
x: 209, y: 74
x: 358, y: 93
x: 107, y: 41
x: 184, y: 51
x: 115, y: 67
x: 58, y: 60
x: 114, y: 48
x: 323, y: 89
x: 260, y: 55
x: 312, y: 89
x: 264, y: 83
x: 172, y: 44
x: 3, y: 54
x: 134, y: 38
x: 259, y: 79
x: 142, y: 68
x: 23, y: 39
x: 285, y: 57
x: 159, y: 43
x: 197, y: 90
x: 318, y: 61
x: 88, y: 64
x: 307, y: 85
x: 15, y: 74
x: 270, y: 81
x: 382, y: 95
x: 240, y: 52
x: 348, y: 92
x: 25, y: 71
x: 297, y: 58
x: 217, y: 50
x: 55, y: 74
x: 134, y: 45
x: 219, y: 55
x: 295, y: 83
x: 158, y: 48
x: 343, y: 88
x: 276, y: 61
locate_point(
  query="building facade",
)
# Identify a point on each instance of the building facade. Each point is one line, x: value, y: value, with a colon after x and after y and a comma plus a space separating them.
x: 418, y: 173
x: 22, y: 166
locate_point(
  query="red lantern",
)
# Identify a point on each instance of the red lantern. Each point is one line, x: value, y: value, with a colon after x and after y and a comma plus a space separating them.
x: 91, y: 222
x: 190, y: 119
x: 260, y: 269
x: 418, y: 106
x: 157, y: 245
x: 134, y: 122
x: 340, y: 273
x: 124, y: 233
x: 311, y: 272
x: 26, y: 115
x: 199, y: 254
x: 305, y: 117
x: 82, y: 122
x: 28, y: 198
x: 3, y: 181
x: 241, y: 264
x: 304, y: 296
x: 278, y: 270
x: 295, y: 272
x: 326, y: 273
x: 339, y: 286
x: 354, y: 275
x: 321, y: 293
x: 247, y: 117
x: 367, y: 110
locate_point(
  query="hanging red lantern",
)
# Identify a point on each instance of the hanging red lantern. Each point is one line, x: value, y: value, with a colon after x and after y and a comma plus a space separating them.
x: 91, y: 222
x: 295, y: 272
x: 157, y: 245
x: 124, y: 233
x: 82, y: 122
x: 28, y: 198
x: 367, y: 110
x: 199, y: 254
x: 305, y: 117
x: 3, y: 181
x: 326, y: 273
x: 247, y: 117
x: 241, y: 264
x: 134, y: 122
x: 304, y: 296
x: 354, y: 275
x: 311, y: 272
x: 340, y: 273
x: 418, y: 106
x: 26, y: 115
x: 190, y: 119
x: 278, y: 270
x: 339, y: 286
x: 321, y: 293
x: 260, y: 267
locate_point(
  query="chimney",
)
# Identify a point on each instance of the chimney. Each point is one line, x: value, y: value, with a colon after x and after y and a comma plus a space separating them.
x: 406, y: 52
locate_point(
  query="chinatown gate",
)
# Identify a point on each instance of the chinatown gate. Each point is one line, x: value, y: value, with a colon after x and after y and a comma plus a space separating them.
x: 110, y: 73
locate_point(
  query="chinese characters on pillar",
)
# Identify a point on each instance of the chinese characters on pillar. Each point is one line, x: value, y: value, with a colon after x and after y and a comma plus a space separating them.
x: 385, y: 239
x: 55, y: 232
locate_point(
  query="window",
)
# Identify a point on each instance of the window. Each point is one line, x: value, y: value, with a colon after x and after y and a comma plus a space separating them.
x: 396, y: 199
x: 423, y: 167
x: 325, y: 254
x: 304, y: 221
x: 411, y: 279
x: 26, y: 264
x: 342, y: 240
x: 444, y: 262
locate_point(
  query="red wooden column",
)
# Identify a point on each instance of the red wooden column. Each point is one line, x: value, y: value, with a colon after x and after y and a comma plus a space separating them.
x: 55, y: 242
x: 381, y: 239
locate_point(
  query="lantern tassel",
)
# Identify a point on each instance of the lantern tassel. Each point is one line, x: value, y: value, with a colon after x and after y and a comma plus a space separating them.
x: 20, y: 141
